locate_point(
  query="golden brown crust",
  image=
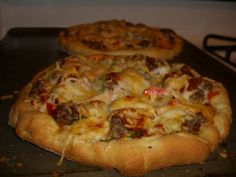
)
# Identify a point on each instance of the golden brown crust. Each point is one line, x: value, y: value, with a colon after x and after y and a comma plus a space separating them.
x: 223, y: 115
x: 72, y: 44
x: 222, y: 118
x: 145, y: 154
x: 36, y: 127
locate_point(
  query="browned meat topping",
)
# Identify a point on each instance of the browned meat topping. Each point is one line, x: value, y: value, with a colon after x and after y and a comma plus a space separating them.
x: 123, y: 124
x: 94, y: 44
x: 194, y: 124
x: 118, y: 130
x: 111, y: 80
x: 197, y: 96
x: 194, y: 83
x: 66, y: 113
x: 152, y: 63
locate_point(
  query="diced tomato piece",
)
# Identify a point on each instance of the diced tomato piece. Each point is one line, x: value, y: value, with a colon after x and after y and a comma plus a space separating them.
x: 51, y: 108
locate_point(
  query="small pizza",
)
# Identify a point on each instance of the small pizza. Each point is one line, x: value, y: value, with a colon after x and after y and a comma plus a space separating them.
x: 119, y: 37
x: 101, y: 109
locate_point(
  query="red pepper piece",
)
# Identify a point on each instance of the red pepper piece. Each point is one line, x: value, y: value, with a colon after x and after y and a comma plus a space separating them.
x: 154, y: 91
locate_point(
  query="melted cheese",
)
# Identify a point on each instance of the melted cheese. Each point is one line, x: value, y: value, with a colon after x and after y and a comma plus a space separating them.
x: 95, y: 127
x: 81, y: 80
x: 176, y: 83
x: 91, y: 130
x: 132, y: 102
x: 133, y: 82
x: 74, y: 89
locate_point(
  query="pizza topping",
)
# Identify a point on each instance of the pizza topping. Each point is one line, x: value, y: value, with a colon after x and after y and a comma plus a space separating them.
x: 51, y: 108
x: 99, y: 45
x: 197, y: 96
x: 136, y: 96
x: 156, y: 69
x: 171, y: 125
x: 194, y: 124
x: 156, y: 91
x: 111, y: 80
x: 128, y: 123
x: 194, y: 83
x: 151, y: 63
x: 199, y: 82
x: 67, y: 113
x: 197, y: 90
x: 118, y: 130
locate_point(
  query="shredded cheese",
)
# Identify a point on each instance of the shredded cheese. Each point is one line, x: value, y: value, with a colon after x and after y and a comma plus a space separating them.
x: 151, y: 101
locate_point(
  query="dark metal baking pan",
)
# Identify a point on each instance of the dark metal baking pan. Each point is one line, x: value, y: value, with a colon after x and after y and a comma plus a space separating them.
x: 24, y: 51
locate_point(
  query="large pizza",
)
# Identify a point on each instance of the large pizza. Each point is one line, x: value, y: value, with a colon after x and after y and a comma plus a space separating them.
x: 101, y: 109
x: 120, y: 37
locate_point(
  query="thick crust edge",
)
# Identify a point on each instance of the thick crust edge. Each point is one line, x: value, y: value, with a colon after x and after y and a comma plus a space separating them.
x: 74, y: 47
x: 144, y: 154
x: 223, y: 115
